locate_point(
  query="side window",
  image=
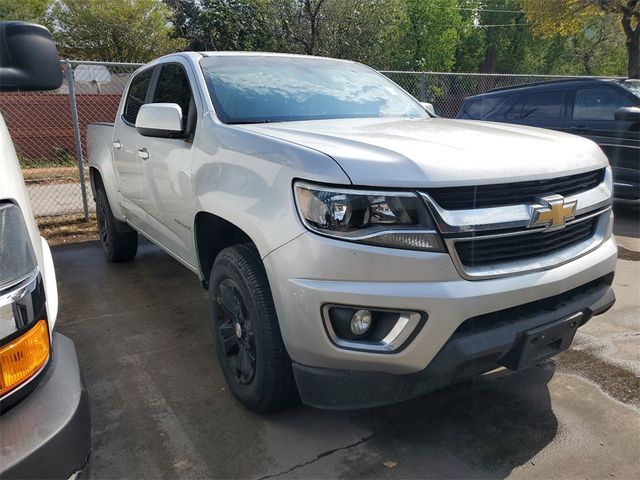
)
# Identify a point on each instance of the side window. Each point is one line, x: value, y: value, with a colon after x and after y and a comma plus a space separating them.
x: 538, y: 106
x: 137, y: 95
x: 483, y: 107
x: 173, y: 87
x: 598, y: 103
x: 515, y: 112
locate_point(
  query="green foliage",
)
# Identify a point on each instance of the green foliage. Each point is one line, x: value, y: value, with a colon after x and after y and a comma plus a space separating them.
x: 225, y: 24
x: 447, y: 35
x: 113, y: 30
x: 596, y: 30
x: 24, y: 10
x: 351, y: 29
x: 573, y: 37
x: 514, y: 44
x: 421, y: 35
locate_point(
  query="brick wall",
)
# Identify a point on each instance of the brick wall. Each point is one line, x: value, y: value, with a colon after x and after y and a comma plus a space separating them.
x: 40, y: 123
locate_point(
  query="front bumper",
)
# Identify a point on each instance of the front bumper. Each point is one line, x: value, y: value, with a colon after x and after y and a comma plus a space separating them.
x: 469, y: 352
x: 48, y: 434
x: 312, y: 271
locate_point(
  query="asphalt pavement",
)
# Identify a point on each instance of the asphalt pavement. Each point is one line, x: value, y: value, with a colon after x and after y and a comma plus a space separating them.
x: 160, y: 407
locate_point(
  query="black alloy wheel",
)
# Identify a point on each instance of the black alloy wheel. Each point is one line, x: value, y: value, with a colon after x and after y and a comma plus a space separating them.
x: 236, y: 331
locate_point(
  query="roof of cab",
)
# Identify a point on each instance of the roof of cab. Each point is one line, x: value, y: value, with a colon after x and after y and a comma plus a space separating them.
x: 548, y: 85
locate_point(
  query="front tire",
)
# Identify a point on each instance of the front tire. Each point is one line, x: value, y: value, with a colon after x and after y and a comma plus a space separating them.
x: 249, y: 346
x: 118, y: 246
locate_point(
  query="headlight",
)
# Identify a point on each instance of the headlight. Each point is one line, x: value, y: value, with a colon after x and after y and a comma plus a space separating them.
x: 389, y: 219
x: 17, y: 260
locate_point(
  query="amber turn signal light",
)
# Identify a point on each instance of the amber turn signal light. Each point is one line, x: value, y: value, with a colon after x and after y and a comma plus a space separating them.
x: 21, y: 358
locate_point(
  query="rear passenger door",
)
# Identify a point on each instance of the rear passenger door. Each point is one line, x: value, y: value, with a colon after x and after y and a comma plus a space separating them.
x: 168, y: 199
x: 544, y: 109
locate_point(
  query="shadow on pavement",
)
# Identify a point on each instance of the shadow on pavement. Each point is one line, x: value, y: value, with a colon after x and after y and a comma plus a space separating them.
x: 478, y: 429
x: 160, y: 407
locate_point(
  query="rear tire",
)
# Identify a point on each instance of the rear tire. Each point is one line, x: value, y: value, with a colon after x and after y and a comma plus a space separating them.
x: 118, y: 246
x: 249, y: 346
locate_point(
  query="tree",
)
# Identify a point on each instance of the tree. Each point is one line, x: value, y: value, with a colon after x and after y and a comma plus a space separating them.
x: 568, y: 17
x: 230, y: 24
x: 114, y: 30
x: 422, y: 35
x: 353, y: 29
x: 24, y: 10
x: 304, y: 18
x: 186, y: 22
x: 336, y: 28
x: 496, y: 37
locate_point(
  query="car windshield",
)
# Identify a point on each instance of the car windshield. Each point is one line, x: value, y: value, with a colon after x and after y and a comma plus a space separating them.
x: 259, y: 89
x: 633, y: 86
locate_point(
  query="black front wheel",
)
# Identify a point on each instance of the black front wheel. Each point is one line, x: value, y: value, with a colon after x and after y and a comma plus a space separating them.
x: 254, y: 361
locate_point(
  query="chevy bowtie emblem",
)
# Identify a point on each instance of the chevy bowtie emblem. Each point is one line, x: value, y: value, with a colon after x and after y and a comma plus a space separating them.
x: 552, y: 212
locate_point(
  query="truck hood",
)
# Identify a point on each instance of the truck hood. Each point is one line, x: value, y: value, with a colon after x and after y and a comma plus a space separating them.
x: 431, y: 152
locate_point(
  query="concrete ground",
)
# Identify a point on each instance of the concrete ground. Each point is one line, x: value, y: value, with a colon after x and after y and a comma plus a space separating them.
x: 161, y: 410
x: 58, y: 199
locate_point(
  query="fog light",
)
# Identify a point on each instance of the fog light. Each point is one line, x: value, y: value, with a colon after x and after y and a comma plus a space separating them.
x: 361, y: 322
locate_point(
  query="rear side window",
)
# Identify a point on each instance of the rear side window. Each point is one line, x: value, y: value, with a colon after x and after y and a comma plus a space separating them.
x: 599, y: 103
x: 538, y: 106
x: 173, y: 87
x: 481, y: 108
x: 137, y: 95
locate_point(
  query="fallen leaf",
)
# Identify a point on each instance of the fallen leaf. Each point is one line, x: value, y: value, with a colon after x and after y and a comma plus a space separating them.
x: 390, y: 464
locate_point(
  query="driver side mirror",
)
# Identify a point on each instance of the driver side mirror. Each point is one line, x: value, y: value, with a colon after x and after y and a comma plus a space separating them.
x: 629, y: 114
x: 163, y: 120
x: 428, y: 107
x: 28, y: 58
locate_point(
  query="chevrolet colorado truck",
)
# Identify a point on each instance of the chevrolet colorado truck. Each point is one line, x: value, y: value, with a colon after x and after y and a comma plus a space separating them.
x: 357, y: 249
x: 45, y: 426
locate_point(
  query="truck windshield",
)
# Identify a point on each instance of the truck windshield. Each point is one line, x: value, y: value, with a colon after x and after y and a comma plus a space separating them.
x: 260, y: 89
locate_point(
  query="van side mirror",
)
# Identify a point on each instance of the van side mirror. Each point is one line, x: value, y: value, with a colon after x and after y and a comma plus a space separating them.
x: 629, y: 114
x: 163, y: 120
x: 28, y: 58
x: 428, y: 107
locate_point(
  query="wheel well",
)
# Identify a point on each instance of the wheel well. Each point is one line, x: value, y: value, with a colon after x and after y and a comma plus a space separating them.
x: 214, y: 234
x: 98, y: 184
x: 96, y: 180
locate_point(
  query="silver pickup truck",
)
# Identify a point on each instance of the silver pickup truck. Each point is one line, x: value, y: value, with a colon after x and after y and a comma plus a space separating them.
x: 357, y: 249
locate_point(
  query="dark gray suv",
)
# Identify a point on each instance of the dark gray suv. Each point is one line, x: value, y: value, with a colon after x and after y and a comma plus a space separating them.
x: 605, y: 111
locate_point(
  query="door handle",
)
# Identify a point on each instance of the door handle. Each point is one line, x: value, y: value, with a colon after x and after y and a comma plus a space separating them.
x: 580, y: 128
x: 117, y: 145
x: 143, y: 153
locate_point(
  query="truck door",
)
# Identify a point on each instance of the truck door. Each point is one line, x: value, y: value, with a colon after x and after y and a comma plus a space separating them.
x: 125, y: 151
x: 168, y: 199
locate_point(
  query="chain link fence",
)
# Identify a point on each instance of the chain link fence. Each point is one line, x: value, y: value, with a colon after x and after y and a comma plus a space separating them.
x: 447, y: 91
x: 49, y: 128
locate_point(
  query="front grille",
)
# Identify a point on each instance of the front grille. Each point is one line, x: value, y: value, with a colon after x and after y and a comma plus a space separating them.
x: 486, y: 251
x: 483, y: 196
